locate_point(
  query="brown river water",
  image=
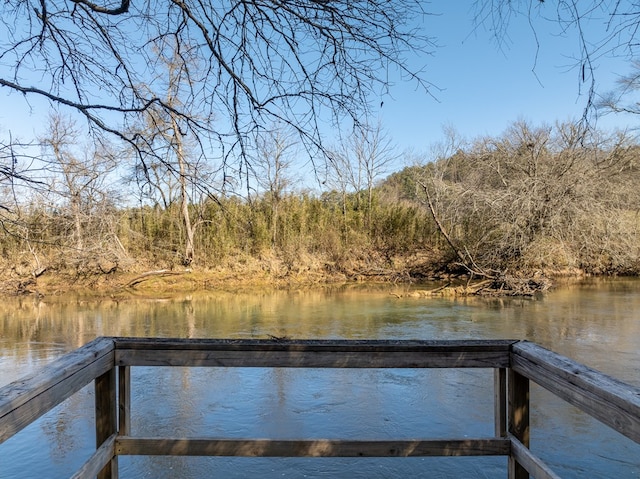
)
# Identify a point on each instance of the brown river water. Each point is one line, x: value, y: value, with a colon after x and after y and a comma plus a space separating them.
x: 596, y: 322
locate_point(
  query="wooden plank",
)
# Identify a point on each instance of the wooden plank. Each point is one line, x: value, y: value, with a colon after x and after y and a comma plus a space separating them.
x: 609, y: 400
x: 24, y: 389
x: 124, y: 400
x: 313, y: 344
x: 312, y: 359
x: 533, y: 464
x: 518, y: 392
x: 98, y: 460
x: 500, y: 401
x: 106, y: 418
x: 312, y: 353
x: 25, y: 400
x: 311, y: 448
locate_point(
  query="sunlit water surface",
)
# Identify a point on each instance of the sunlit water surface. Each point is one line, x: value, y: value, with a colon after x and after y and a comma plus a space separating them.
x: 597, y: 323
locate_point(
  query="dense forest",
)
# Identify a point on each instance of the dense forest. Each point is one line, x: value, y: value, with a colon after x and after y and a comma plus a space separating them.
x: 535, y: 202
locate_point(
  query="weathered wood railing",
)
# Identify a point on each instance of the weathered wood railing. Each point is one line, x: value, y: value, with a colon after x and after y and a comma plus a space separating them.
x: 515, y: 363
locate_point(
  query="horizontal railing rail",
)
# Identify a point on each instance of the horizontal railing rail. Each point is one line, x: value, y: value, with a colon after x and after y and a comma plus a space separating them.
x: 27, y: 399
x: 108, y: 362
x: 611, y: 401
x: 313, y: 353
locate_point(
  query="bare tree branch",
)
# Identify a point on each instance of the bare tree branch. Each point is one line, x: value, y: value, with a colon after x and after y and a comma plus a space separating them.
x: 602, y: 28
x: 123, y: 8
x: 299, y: 63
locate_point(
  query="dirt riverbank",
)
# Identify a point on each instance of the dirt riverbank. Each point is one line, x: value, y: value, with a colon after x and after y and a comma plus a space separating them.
x: 251, y: 276
x: 147, y: 279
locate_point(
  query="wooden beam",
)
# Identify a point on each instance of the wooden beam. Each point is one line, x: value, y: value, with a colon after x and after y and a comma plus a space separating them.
x: 106, y: 418
x: 533, y: 464
x: 315, y: 344
x: 312, y: 359
x: 500, y: 401
x: 609, y: 400
x: 313, y: 353
x: 97, y: 461
x: 124, y: 400
x: 518, y: 392
x: 25, y: 400
x: 310, y: 448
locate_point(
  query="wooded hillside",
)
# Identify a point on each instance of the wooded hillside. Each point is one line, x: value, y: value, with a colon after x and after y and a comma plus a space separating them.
x: 537, y: 199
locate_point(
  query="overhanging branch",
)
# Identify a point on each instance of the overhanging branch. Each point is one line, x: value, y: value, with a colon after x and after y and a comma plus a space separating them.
x: 123, y: 8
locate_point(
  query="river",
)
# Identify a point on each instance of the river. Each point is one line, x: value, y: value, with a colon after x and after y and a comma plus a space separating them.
x: 596, y: 322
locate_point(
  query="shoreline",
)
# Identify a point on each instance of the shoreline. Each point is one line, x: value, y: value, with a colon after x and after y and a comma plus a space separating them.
x: 179, y: 281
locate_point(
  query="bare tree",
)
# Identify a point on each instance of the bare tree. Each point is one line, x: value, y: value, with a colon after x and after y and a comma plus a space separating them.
x: 624, y: 99
x: 358, y: 162
x: 173, y: 169
x: 16, y: 172
x: 536, y: 197
x: 339, y: 177
x: 79, y: 182
x: 258, y: 62
x: 276, y: 152
x: 374, y: 152
x: 76, y: 177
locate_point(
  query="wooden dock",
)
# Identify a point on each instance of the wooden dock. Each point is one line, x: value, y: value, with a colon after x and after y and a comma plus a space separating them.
x: 107, y: 362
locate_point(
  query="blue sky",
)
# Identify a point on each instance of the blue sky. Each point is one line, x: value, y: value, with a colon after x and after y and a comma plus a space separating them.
x: 483, y: 86
x: 486, y: 86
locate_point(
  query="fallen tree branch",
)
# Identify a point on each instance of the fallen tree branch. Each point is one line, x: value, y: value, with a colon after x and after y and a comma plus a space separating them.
x: 466, y: 260
x: 441, y: 227
x: 153, y: 274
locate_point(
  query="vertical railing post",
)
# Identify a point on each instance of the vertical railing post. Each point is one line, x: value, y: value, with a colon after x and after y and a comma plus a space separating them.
x: 124, y: 400
x: 518, y: 386
x: 105, y: 394
x: 500, y: 401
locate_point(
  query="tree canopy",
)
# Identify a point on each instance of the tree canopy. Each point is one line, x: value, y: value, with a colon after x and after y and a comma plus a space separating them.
x: 242, y: 64
x: 250, y: 63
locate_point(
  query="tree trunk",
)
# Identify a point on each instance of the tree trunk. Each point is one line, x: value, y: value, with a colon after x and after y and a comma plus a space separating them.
x: 184, y: 197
